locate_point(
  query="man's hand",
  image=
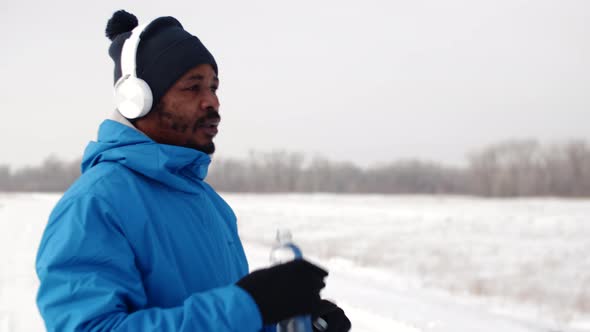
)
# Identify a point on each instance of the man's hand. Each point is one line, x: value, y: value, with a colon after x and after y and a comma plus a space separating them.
x: 285, y: 290
x: 328, y: 317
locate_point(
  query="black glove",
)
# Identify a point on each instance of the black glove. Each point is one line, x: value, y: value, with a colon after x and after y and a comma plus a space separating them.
x: 332, y: 315
x: 285, y: 290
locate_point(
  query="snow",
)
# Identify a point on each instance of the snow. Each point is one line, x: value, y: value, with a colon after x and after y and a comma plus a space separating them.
x: 397, y: 263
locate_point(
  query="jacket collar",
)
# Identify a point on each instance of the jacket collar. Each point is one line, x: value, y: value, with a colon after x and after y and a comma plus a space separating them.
x: 174, y: 166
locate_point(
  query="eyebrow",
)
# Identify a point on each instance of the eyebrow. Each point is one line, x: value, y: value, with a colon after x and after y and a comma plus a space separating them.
x: 199, y: 77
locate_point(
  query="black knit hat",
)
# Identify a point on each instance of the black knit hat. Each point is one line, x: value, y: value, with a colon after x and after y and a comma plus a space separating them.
x: 165, y: 53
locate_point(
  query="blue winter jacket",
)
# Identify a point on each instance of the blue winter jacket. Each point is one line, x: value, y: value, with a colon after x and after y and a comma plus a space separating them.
x: 141, y: 243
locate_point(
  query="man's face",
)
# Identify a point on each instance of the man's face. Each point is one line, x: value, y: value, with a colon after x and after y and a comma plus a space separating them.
x: 188, y: 114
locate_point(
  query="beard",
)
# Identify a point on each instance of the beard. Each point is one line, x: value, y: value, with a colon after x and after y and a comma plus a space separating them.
x: 170, y: 121
x: 208, y: 148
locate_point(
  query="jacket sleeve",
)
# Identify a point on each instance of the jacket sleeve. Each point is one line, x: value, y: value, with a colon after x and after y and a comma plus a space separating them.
x: 89, y: 281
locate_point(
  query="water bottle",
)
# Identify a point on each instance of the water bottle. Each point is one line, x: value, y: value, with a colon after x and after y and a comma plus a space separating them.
x: 284, y: 251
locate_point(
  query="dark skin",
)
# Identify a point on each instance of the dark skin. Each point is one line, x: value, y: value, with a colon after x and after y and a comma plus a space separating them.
x: 188, y: 114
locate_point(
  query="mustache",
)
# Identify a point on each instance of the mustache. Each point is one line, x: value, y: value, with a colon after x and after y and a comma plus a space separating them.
x: 211, y: 115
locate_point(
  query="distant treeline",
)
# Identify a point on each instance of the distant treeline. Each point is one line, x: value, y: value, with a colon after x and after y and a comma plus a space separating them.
x: 509, y: 169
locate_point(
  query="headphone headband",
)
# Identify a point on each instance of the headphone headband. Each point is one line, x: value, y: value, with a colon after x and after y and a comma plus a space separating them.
x: 129, y: 52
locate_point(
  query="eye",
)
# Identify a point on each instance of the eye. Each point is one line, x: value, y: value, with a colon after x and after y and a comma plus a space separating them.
x: 195, y: 87
x: 214, y: 88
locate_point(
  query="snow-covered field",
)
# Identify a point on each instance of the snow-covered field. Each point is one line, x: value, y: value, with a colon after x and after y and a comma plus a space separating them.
x: 397, y: 263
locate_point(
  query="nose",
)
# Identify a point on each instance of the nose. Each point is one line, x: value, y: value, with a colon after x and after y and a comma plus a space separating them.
x: 210, y: 100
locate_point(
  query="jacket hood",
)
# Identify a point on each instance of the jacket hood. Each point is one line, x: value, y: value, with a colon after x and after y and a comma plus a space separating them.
x: 174, y: 166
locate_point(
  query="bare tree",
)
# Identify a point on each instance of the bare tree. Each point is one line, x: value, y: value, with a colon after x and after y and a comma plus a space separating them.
x: 508, y: 169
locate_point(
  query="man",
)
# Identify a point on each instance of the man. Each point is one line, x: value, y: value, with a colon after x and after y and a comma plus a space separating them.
x: 140, y: 242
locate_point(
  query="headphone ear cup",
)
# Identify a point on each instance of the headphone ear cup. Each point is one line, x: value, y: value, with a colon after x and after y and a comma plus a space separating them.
x: 133, y: 97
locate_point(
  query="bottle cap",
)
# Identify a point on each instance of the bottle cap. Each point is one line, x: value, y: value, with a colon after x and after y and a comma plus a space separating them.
x: 284, y: 236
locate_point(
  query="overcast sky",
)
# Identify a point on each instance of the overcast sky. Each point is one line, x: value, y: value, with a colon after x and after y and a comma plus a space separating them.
x: 363, y: 81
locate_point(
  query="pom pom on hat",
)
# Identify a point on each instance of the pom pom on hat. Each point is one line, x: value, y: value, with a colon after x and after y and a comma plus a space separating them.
x: 119, y: 23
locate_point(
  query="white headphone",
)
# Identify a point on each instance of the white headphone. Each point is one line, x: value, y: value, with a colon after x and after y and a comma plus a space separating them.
x: 133, y: 96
